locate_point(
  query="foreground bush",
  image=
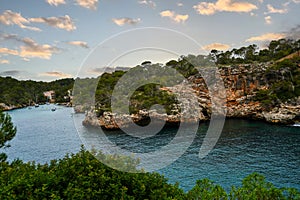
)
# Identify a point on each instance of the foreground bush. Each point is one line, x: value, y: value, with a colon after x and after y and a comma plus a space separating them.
x: 81, y: 176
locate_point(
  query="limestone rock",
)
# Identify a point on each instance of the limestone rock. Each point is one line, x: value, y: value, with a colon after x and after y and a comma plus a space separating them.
x: 241, y: 83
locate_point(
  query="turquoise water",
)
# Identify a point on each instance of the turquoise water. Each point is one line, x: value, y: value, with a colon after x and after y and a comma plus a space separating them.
x: 244, y: 147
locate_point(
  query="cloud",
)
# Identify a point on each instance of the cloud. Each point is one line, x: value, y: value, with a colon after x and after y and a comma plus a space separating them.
x: 207, y: 8
x: 267, y: 37
x: 148, y: 3
x: 32, y: 49
x: 89, y: 4
x: 125, y: 20
x: 173, y: 16
x: 8, y: 36
x: 55, y: 2
x: 3, y: 61
x: 11, y: 18
x: 29, y: 49
x: 63, y: 22
x: 296, y: 1
x: 271, y: 9
x: 78, y: 43
x: 217, y: 46
x: 268, y: 20
x: 56, y: 74
x: 8, y: 51
x: 101, y: 70
x: 179, y: 4
x: 10, y: 73
x: 294, y: 33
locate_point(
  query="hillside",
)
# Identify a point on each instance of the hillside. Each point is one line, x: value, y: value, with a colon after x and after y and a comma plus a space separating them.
x: 265, y: 90
x: 16, y: 94
x: 259, y: 84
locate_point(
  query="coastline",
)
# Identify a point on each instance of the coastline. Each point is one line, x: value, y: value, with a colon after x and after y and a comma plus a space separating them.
x: 284, y: 115
x: 5, y: 107
x: 244, y: 85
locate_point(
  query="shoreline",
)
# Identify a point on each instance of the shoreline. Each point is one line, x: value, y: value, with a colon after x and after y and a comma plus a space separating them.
x: 177, y: 124
x: 108, y: 120
x: 5, y: 107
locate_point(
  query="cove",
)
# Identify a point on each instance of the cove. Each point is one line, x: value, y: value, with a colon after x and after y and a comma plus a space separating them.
x: 244, y: 147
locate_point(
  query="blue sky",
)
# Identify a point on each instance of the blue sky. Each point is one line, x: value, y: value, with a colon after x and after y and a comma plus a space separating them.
x: 52, y: 39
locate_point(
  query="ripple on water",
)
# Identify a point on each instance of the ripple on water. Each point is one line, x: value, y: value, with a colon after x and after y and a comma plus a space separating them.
x: 244, y: 147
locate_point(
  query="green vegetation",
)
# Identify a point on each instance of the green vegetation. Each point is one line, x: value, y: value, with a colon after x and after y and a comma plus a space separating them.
x: 275, y: 50
x: 82, y: 176
x: 97, y: 92
x: 143, y: 98
x: 281, y: 90
x: 146, y: 95
x: 190, y: 64
x: 7, y: 132
x: 84, y: 92
x: 15, y: 92
x: 149, y: 95
x: 104, y: 91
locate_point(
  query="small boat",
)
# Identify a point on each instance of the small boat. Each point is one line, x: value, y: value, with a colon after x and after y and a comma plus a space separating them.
x: 53, y: 109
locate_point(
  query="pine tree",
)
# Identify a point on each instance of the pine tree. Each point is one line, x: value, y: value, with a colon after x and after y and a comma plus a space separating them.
x: 7, y: 133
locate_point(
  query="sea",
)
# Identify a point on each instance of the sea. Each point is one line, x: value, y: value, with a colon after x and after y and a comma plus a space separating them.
x: 244, y: 147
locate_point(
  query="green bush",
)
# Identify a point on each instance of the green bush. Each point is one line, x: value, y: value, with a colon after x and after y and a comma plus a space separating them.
x: 206, y: 189
x: 255, y: 187
x: 82, y: 176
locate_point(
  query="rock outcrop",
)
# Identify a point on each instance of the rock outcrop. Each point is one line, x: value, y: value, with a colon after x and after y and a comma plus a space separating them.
x: 10, y: 107
x: 241, y: 83
x: 112, y: 121
x: 284, y: 114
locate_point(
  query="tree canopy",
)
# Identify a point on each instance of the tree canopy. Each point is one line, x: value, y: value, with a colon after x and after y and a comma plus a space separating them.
x: 275, y: 50
x: 16, y: 92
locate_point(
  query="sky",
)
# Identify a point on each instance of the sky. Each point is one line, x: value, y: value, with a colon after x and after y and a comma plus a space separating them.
x: 53, y: 39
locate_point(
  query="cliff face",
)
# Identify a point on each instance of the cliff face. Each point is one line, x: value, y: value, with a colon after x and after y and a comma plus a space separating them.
x: 241, y: 84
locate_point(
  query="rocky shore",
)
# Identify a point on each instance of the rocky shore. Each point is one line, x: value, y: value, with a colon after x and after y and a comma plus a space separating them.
x: 241, y: 84
x: 5, y: 107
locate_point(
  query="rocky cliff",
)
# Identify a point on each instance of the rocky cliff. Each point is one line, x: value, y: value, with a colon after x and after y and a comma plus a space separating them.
x: 241, y: 82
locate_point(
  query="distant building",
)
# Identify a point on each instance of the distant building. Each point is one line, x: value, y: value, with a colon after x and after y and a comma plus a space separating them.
x: 50, y: 95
